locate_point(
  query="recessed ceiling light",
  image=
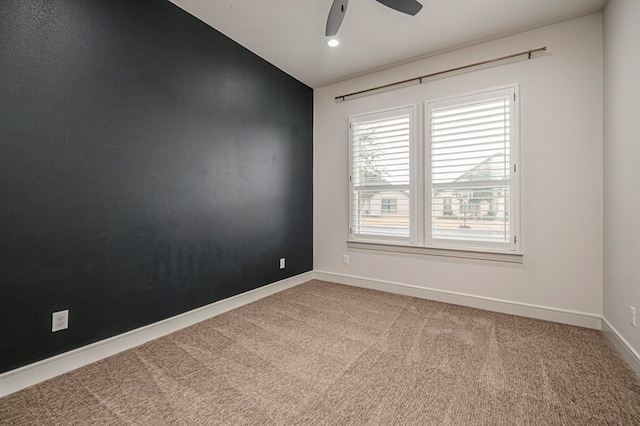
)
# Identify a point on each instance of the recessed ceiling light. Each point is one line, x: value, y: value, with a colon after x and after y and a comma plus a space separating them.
x: 333, y: 42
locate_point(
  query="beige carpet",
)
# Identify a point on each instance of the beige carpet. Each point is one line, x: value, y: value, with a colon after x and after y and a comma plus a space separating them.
x: 324, y: 353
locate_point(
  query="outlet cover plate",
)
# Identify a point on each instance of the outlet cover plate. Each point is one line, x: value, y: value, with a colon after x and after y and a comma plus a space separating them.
x: 60, y: 320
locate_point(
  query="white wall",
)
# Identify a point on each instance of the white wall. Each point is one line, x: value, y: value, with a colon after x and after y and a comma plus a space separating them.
x: 622, y: 167
x: 561, y: 164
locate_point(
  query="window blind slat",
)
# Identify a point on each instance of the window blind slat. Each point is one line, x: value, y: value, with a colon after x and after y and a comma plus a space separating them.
x: 494, y: 119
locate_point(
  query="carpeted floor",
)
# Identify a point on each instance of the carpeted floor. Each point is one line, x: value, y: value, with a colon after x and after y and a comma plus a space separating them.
x: 323, y: 353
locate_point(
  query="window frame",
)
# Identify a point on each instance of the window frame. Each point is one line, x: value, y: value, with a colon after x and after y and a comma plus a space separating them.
x: 419, y: 241
x: 411, y: 111
x: 511, y: 92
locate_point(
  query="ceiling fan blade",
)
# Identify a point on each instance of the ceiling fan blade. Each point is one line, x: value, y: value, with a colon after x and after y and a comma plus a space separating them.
x: 336, y: 15
x: 410, y: 7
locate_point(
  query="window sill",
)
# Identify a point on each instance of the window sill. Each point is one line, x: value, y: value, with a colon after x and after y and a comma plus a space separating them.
x: 430, y: 251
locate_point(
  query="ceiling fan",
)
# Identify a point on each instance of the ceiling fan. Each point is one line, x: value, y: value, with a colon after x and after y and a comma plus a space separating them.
x: 339, y: 7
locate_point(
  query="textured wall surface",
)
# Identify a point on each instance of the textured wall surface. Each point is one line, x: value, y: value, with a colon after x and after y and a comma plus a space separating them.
x: 148, y: 166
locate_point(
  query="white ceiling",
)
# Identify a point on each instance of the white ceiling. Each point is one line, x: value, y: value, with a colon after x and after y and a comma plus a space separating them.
x: 290, y: 33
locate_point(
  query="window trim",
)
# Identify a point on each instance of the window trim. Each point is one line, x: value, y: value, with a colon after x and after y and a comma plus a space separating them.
x: 419, y: 188
x: 508, y: 257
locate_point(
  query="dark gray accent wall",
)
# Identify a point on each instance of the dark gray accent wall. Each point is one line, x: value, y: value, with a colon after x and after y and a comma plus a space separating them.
x: 148, y: 166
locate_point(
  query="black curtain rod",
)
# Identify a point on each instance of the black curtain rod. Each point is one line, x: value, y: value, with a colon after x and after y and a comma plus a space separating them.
x: 422, y: 77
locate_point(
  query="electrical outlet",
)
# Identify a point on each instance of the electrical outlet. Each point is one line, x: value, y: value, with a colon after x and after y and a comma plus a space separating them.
x: 59, y: 320
x: 633, y: 316
x: 345, y: 259
x: 282, y: 263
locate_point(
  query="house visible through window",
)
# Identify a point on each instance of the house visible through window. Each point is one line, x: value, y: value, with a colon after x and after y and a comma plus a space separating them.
x: 463, y: 193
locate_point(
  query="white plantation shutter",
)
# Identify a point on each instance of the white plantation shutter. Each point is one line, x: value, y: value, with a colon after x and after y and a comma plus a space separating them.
x: 459, y: 193
x: 470, y: 190
x: 380, y: 203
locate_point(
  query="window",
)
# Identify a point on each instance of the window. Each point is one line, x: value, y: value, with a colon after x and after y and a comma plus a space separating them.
x: 389, y: 205
x: 447, y: 210
x: 466, y: 180
x: 380, y: 201
x: 469, y: 149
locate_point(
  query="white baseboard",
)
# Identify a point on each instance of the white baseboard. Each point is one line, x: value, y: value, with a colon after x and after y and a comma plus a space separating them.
x: 581, y: 319
x: 31, y: 374
x: 626, y: 350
